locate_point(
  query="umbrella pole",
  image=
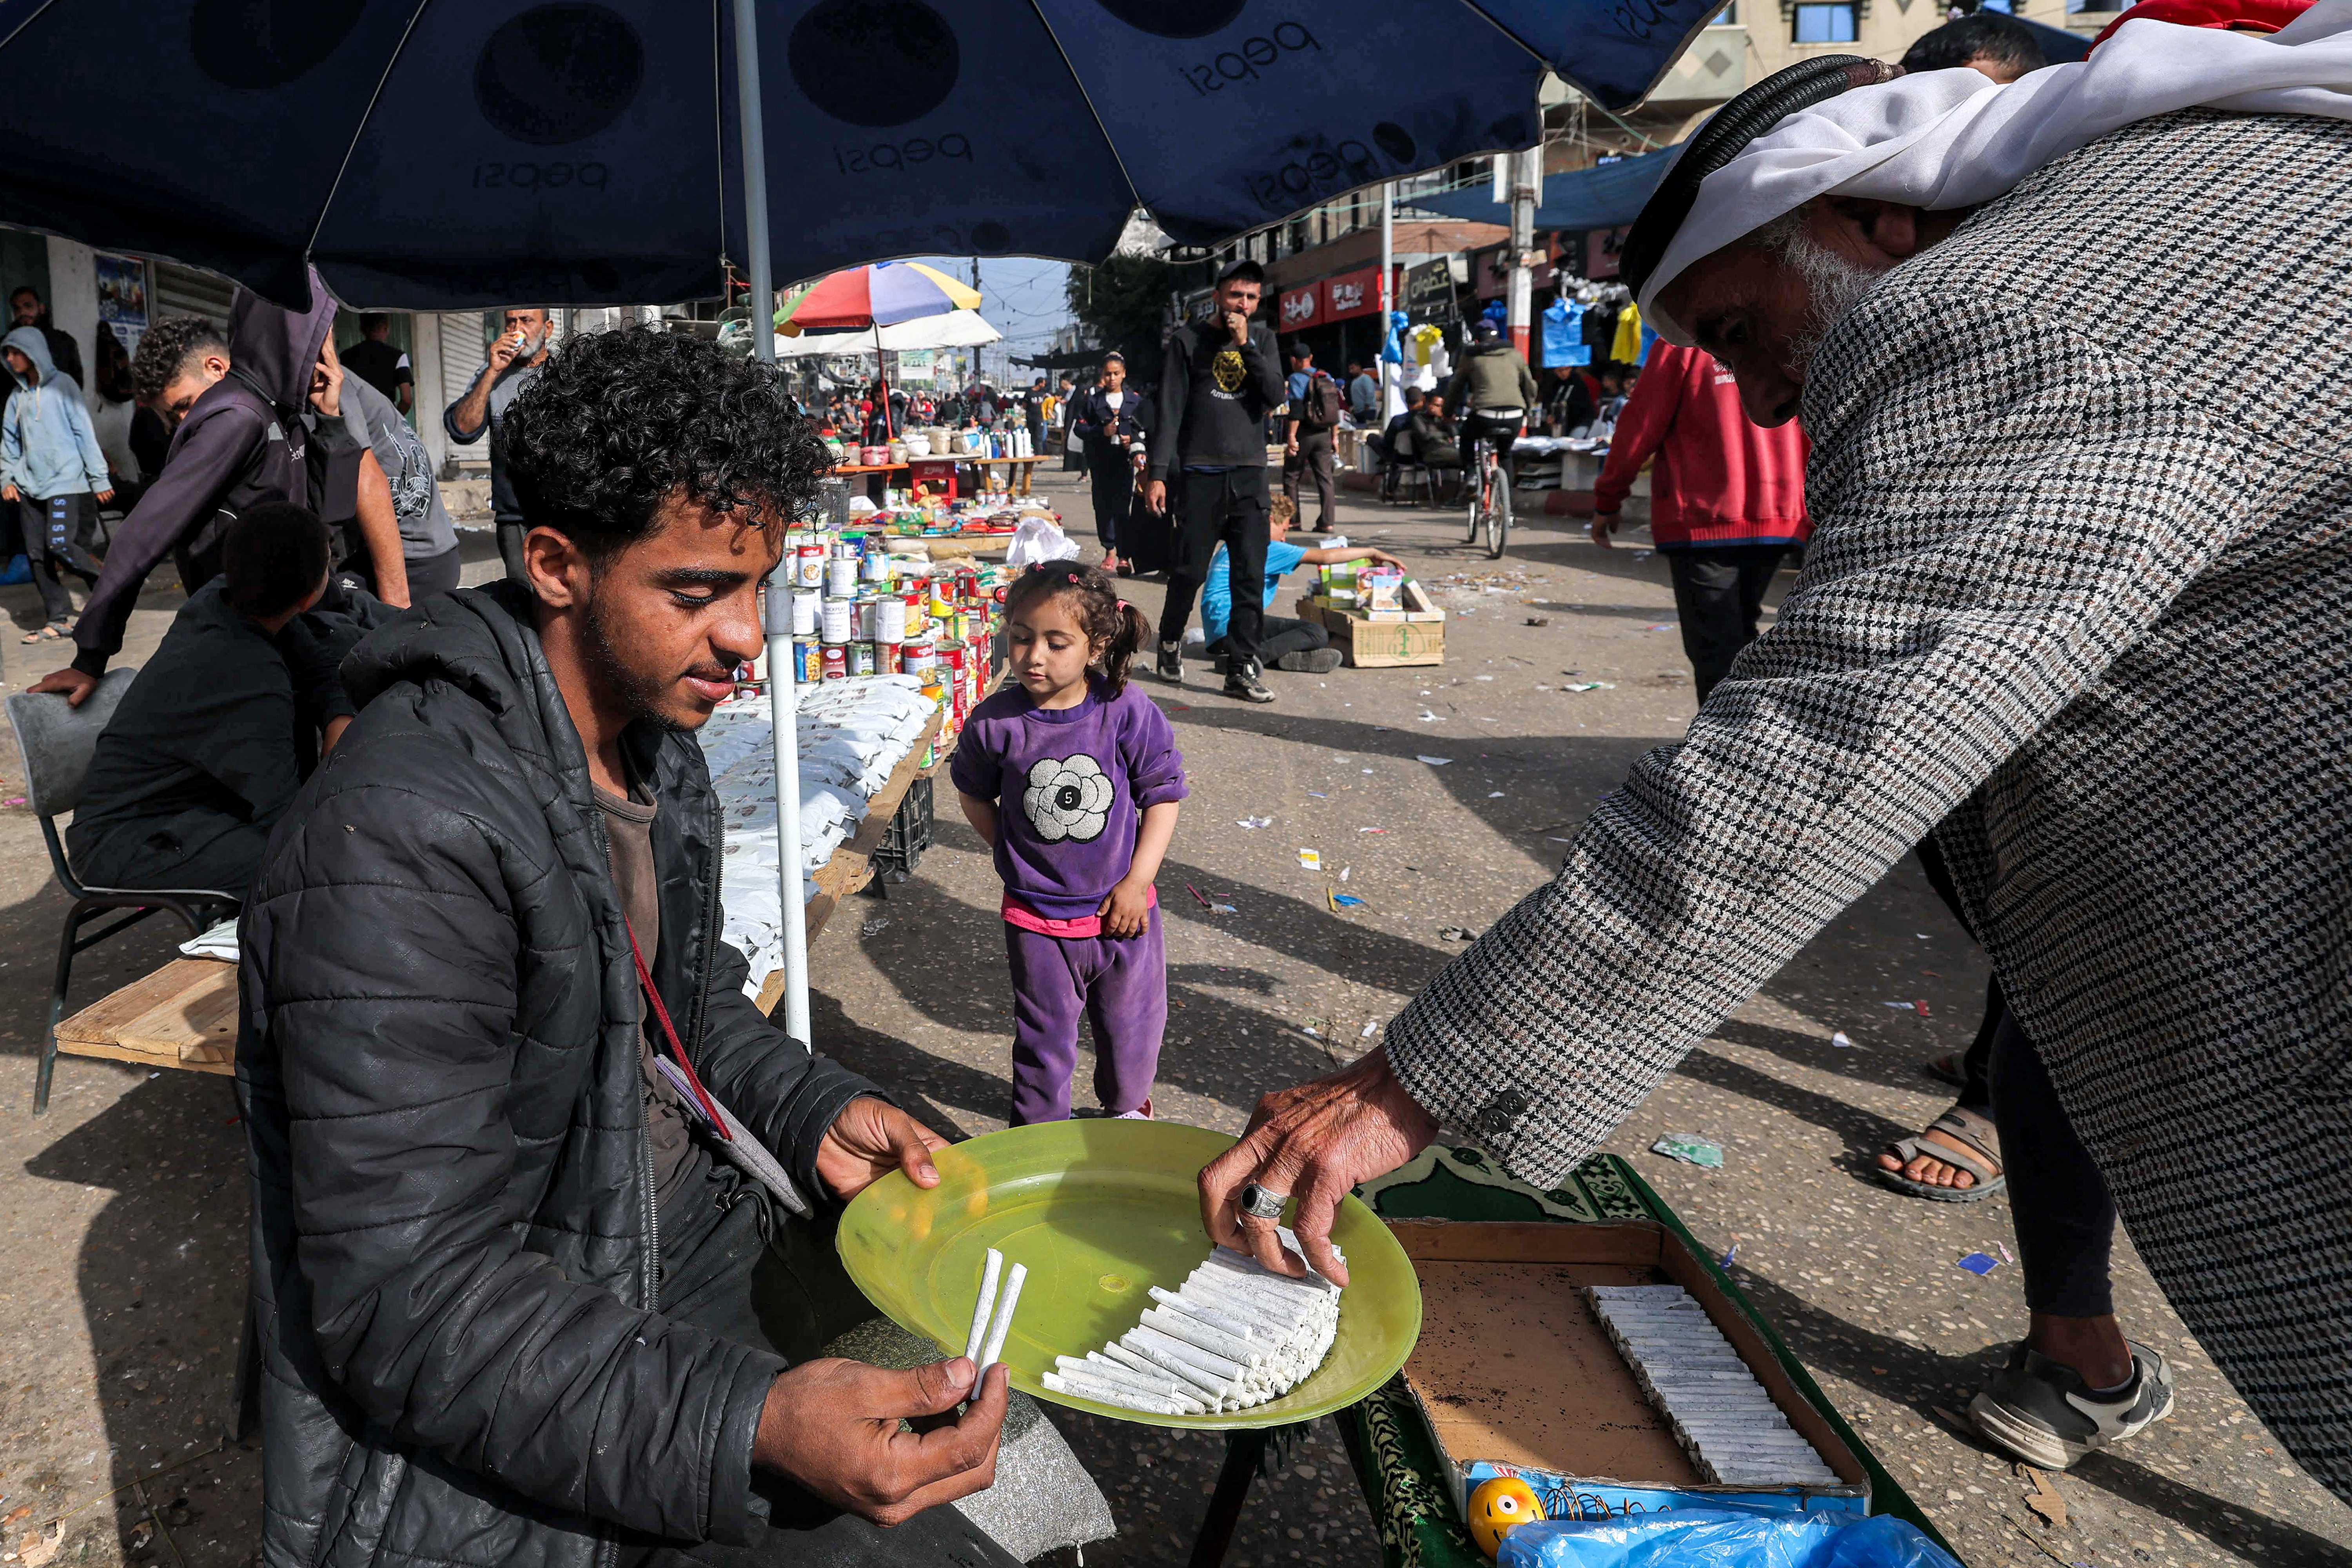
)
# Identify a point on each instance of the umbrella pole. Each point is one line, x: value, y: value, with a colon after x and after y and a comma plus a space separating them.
x: 784, y: 698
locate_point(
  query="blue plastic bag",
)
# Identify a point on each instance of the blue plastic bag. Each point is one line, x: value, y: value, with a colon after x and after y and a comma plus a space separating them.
x: 18, y: 570
x: 1715, y: 1538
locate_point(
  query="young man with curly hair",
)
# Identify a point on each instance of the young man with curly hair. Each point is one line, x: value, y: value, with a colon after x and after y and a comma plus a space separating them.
x: 503, y: 1282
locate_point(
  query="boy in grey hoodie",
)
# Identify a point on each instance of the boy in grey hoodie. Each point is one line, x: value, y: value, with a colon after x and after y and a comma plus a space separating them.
x: 51, y: 468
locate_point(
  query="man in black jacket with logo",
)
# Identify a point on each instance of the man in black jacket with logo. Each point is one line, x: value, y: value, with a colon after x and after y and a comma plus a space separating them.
x: 1220, y: 380
x: 503, y: 1279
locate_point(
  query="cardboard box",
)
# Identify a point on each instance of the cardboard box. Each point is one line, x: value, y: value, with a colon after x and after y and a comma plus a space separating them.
x: 1380, y: 638
x: 1513, y: 1375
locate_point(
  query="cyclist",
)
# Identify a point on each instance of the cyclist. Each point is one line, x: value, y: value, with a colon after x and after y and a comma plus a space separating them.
x: 1493, y: 390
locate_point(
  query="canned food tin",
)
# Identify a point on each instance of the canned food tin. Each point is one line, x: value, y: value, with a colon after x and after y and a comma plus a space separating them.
x: 840, y: 575
x: 808, y: 613
x: 808, y: 566
x: 808, y: 661
x: 953, y: 655
x: 836, y: 623
x: 890, y: 619
x: 861, y: 659
x: 918, y: 657
x: 874, y: 567
x: 861, y: 618
x: 889, y: 656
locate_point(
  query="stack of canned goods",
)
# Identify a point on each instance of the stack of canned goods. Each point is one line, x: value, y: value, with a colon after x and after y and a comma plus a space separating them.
x: 852, y: 617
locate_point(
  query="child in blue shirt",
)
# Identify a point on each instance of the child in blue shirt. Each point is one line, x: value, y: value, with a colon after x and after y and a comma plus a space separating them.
x: 1293, y: 645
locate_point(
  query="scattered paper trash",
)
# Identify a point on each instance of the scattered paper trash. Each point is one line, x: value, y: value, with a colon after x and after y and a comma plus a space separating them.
x: 2005, y: 1257
x: 1254, y: 822
x: 1591, y: 686
x: 1493, y: 794
x: 1343, y: 872
x: 1456, y: 933
x: 1370, y: 1030
x: 1690, y: 1149
x: 1538, y: 621
x: 1980, y: 1263
x: 1345, y: 901
x: 1660, y: 627
x: 1318, y: 795
x: 1310, y: 860
x: 1920, y: 1007
x: 1840, y: 1040
x: 1724, y: 1262
x: 1898, y: 1006
x: 13, y: 800
x: 1371, y: 830
x: 1434, y: 761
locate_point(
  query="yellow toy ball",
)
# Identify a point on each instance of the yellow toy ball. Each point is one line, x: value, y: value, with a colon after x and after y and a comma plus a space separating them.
x: 1497, y: 1506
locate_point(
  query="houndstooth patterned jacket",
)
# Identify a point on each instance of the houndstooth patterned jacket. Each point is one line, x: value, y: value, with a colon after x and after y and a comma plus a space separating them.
x: 2080, y: 589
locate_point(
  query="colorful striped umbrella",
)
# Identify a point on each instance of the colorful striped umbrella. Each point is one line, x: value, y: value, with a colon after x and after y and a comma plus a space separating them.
x: 882, y: 295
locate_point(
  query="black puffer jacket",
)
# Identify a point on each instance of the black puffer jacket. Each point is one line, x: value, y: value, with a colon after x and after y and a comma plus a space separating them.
x: 454, y: 1232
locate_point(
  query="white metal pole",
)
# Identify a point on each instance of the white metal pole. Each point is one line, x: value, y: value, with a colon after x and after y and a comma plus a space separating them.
x: 1391, y: 395
x: 784, y: 701
x: 1526, y: 177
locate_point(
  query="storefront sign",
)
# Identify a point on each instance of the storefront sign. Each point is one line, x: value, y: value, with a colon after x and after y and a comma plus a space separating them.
x: 1298, y: 308
x: 1494, y: 273
x: 1429, y: 289
x: 1355, y: 293
x: 1601, y: 248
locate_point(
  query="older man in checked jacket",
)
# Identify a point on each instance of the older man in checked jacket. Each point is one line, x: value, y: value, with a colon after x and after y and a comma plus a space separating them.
x: 2077, y: 609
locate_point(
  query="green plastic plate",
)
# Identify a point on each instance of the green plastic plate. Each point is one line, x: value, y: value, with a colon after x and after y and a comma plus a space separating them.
x: 1098, y: 1211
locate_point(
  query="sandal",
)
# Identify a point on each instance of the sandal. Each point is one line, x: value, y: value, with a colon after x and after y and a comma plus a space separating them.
x: 1980, y: 1156
x: 1946, y: 1069
x: 53, y: 630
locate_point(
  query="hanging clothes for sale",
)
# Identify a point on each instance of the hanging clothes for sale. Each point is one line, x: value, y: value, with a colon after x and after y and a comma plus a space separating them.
x: 1426, y: 337
x: 1563, y: 333
x: 1626, y: 348
x: 1601, y: 326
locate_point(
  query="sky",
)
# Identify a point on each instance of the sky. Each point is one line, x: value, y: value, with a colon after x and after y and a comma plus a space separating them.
x: 1021, y: 298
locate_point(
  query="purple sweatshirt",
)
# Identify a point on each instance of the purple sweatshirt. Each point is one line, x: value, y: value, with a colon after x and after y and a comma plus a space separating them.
x: 1071, y: 785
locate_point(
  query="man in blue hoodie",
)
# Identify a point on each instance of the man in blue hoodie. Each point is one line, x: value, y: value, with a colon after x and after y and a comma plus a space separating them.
x: 51, y: 468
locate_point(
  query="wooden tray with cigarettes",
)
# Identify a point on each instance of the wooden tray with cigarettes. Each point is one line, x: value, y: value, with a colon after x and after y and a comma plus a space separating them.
x: 1119, y: 1309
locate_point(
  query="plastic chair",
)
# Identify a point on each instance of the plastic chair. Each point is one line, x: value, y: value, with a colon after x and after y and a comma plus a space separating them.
x: 1405, y: 464
x: 57, y: 741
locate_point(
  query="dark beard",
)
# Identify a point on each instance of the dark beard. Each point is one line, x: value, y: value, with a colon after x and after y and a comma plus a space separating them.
x: 640, y: 694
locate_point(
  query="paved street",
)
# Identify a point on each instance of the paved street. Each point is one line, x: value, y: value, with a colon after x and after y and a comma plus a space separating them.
x: 123, y: 1214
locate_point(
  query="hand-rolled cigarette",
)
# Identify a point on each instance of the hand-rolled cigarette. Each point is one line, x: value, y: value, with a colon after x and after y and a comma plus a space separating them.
x: 1104, y: 1370
x: 1205, y: 1336
x: 1215, y: 1365
x: 982, y: 1307
x: 1001, y: 1324
x: 1177, y: 1302
x: 1103, y: 1394
x: 1215, y: 1387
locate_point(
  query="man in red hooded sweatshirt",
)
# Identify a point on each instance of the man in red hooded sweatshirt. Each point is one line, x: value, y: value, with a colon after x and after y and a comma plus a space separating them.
x: 1727, y: 499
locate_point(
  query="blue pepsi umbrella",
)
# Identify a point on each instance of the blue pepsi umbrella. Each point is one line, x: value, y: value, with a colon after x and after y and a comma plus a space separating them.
x: 444, y: 156
x: 1607, y: 195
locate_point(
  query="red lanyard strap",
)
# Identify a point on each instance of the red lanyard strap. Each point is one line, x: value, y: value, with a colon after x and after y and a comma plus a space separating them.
x: 669, y: 1032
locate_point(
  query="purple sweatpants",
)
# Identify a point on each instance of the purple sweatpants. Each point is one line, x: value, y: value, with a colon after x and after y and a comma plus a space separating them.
x: 1119, y: 986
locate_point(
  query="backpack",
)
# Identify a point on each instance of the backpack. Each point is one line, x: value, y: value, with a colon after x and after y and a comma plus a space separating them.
x: 1322, y: 409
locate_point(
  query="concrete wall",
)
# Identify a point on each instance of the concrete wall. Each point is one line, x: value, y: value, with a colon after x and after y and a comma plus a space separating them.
x: 73, y: 298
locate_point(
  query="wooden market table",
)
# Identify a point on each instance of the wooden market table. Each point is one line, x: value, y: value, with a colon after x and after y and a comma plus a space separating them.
x: 1016, y: 484
x: 182, y: 1016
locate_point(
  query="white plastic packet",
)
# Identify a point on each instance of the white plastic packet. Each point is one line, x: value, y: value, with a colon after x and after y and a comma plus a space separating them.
x: 1037, y: 541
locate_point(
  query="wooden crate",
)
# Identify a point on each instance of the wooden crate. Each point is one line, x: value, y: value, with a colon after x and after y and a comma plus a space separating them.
x: 183, y: 1016
x: 1378, y: 639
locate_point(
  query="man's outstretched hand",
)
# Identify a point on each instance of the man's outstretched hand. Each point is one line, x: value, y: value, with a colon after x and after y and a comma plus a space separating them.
x: 72, y: 683
x: 869, y: 1140
x: 834, y: 1426
x: 1314, y: 1142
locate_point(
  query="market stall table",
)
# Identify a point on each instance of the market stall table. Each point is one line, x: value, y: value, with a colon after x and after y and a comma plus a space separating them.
x: 1387, y: 1443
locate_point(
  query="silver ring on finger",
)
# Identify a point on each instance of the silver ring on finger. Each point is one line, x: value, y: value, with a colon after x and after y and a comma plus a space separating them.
x: 1263, y: 1203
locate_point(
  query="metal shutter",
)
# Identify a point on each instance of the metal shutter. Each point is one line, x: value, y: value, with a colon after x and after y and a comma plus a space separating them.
x: 185, y: 291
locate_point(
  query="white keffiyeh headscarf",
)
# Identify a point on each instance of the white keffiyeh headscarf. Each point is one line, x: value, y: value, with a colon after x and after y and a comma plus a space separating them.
x: 1956, y: 138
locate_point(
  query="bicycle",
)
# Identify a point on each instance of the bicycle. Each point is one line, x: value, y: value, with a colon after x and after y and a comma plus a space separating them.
x: 1487, y: 475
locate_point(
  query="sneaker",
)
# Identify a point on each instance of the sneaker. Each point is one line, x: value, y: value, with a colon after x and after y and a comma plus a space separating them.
x: 1171, y: 667
x: 1242, y: 680
x: 1313, y: 661
x: 2043, y: 1413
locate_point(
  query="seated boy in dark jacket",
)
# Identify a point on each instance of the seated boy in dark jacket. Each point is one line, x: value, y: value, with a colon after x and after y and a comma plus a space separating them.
x: 221, y: 727
x: 503, y: 1275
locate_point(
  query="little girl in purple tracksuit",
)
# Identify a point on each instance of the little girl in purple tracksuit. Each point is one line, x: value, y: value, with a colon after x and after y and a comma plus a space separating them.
x: 1073, y: 779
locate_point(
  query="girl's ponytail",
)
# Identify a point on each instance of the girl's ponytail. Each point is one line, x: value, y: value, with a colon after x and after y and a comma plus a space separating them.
x: 1122, y: 647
